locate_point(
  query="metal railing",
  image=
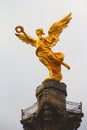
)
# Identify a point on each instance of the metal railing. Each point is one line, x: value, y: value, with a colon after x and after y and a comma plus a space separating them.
x: 74, y: 107
x: 29, y: 111
x: 70, y: 107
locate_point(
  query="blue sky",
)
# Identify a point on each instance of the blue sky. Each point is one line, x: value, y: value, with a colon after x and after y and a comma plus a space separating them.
x: 20, y: 70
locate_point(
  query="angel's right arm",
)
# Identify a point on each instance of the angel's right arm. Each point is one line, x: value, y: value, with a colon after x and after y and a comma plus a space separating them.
x: 23, y: 36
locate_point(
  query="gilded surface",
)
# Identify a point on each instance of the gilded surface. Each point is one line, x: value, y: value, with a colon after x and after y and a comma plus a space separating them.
x: 52, y: 60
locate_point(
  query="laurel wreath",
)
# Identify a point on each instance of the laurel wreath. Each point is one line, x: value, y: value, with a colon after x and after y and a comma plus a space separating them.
x: 19, y: 29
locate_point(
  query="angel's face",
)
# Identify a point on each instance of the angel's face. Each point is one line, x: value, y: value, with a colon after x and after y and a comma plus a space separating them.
x: 39, y: 32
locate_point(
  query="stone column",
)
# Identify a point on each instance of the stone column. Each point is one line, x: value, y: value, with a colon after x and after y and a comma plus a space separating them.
x: 52, y: 91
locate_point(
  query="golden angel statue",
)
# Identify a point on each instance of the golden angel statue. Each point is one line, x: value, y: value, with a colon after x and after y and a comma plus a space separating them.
x: 52, y: 60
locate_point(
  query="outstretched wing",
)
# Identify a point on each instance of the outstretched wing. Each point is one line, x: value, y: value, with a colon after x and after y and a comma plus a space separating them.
x: 26, y: 39
x: 56, y: 29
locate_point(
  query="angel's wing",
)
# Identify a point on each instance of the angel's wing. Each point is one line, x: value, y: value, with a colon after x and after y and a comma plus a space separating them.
x: 27, y: 39
x: 56, y: 29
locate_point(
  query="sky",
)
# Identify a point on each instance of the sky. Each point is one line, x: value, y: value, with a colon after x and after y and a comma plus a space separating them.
x: 21, y: 71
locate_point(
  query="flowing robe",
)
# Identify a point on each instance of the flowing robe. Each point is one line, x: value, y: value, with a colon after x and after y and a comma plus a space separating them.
x: 50, y: 59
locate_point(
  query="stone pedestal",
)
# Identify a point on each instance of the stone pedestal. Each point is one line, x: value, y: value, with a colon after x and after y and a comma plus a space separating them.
x: 53, y: 92
x: 51, y: 112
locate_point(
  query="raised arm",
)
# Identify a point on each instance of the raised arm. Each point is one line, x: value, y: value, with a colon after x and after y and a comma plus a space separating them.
x: 22, y: 35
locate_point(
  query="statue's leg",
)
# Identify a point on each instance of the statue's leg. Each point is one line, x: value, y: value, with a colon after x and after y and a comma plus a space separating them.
x: 47, y: 64
x: 53, y: 67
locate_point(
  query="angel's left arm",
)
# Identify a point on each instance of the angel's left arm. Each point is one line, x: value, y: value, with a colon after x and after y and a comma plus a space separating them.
x: 51, y: 40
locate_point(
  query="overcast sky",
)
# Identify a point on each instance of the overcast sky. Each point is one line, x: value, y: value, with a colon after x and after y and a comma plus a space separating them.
x: 20, y: 70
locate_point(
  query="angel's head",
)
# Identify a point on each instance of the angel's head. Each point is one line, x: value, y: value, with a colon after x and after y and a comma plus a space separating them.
x: 39, y: 32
